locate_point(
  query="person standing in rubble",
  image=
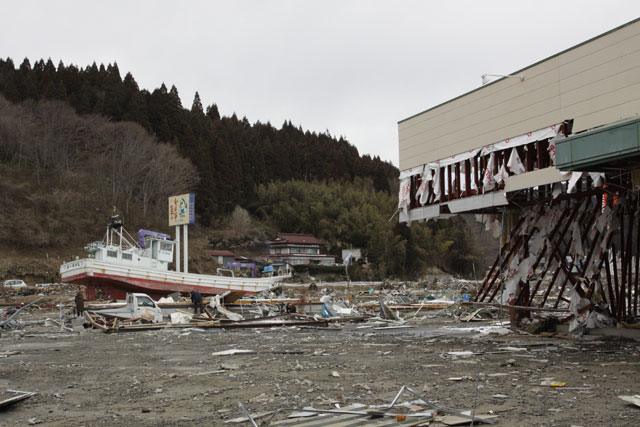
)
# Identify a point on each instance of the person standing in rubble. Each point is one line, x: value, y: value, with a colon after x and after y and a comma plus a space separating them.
x: 79, y: 303
x: 196, y: 299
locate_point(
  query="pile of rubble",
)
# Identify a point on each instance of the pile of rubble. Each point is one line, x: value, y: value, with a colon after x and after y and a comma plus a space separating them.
x: 381, y: 304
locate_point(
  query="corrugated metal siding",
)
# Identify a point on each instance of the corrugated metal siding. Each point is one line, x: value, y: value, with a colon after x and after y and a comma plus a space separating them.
x: 351, y: 421
x: 595, y: 83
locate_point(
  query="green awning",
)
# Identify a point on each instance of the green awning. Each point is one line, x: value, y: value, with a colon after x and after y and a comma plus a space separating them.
x: 615, y: 146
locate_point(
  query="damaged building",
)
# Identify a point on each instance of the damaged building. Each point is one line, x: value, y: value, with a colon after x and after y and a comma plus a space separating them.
x: 549, y: 155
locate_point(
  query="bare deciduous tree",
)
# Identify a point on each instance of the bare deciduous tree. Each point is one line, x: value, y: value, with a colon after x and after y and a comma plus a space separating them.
x: 67, y: 160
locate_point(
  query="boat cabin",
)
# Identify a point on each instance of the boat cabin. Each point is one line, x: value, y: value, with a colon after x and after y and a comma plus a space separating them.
x: 158, y: 248
x: 153, y: 250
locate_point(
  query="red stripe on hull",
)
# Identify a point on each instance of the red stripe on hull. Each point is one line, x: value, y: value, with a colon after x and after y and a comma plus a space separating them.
x: 105, y: 286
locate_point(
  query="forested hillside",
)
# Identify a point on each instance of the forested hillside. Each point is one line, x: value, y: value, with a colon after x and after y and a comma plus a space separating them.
x: 356, y: 215
x: 230, y: 152
x: 58, y: 171
x: 77, y: 144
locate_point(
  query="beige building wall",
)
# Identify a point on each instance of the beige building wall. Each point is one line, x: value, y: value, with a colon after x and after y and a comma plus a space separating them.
x: 594, y: 83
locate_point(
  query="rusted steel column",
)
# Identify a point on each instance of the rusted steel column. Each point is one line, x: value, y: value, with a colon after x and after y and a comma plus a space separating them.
x: 467, y: 178
x: 592, y: 248
x: 629, y: 262
x: 623, y: 267
x: 594, y: 244
x: 513, y: 248
x: 561, y: 258
x: 569, y: 277
x: 521, y: 289
x: 552, y: 254
x: 546, y: 159
x: 477, y: 167
x: 515, y: 315
x: 524, y: 245
x: 564, y: 283
x: 612, y: 299
x: 502, y: 251
x: 483, y: 165
x: 449, y: 183
x: 592, y: 286
x: 458, y: 192
x: 494, y: 170
x: 635, y: 294
x: 603, y: 256
x: 441, y: 171
x: 615, y: 279
x: 574, y: 282
x: 415, y: 184
x: 552, y: 282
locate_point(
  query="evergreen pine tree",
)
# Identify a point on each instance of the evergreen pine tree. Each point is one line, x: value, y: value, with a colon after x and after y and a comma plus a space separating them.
x: 130, y: 83
x: 164, y: 132
x: 114, y: 72
x: 82, y: 103
x: 137, y: 110
x: 175, y: 96
x: 9, y: 84
x: 196, y: 107
x: 60, y: 92
x: 49, y: 71
x: 25, y: 67
x: 232, y: 155
x: 38, y: 75
x: 212, y: 112
x: 92, y: 74
x: 115, y: 98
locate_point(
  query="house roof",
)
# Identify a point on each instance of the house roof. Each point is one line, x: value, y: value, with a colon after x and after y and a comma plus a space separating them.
x: 300, y: 239
x: 216, y: 252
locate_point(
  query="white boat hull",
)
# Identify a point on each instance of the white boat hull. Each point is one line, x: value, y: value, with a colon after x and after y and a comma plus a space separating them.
x: 105, y: 280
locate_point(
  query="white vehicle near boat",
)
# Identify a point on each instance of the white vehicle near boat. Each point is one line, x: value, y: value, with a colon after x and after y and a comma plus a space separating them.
x: 14, y: 285
x: 137, y: 306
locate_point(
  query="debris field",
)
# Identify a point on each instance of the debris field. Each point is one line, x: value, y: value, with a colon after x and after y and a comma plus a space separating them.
x: 174, y: 376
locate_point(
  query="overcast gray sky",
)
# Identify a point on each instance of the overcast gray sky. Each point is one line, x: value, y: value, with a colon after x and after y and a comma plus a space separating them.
x: 354, y: 68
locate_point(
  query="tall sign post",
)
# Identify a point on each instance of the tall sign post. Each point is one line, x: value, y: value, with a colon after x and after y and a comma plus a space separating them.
x: 182, y: 212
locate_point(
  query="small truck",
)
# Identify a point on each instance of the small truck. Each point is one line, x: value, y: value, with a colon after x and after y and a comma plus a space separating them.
x: 137, y: 306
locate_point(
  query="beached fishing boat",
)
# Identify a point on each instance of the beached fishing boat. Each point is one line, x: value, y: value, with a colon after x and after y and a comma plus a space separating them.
x: 118, y: 264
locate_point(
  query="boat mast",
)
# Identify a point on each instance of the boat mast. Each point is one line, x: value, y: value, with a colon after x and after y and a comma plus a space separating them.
x: 114, y: 225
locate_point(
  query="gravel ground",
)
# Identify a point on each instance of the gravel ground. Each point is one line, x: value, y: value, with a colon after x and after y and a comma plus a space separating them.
x: 172, y: 378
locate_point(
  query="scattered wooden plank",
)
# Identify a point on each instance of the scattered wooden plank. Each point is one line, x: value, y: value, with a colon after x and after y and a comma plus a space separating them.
x: 219, y: 371
x: 21, y: 395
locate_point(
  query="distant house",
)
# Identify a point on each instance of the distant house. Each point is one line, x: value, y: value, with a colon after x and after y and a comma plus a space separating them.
x: 222, y: 257
x: 356, y: 255
x: 297, y: 249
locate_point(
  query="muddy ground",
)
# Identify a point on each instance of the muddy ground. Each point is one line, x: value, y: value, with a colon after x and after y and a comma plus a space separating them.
x: 171, y: 377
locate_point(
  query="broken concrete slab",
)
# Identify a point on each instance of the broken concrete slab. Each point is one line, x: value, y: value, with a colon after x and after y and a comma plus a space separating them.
x: 634, y: 400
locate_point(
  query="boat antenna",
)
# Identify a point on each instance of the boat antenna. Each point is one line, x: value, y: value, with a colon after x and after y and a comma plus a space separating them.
x: 115, y: 222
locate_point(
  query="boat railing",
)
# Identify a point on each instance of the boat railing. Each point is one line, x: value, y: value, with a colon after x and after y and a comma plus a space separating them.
x: 225, y: 272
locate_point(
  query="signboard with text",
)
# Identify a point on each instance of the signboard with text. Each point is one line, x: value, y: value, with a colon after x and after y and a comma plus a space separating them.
x: 182, y: 209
